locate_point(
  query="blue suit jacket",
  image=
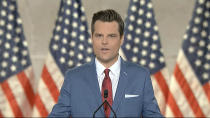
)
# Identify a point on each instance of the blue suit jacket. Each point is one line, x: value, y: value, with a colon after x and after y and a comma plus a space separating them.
x: 80, y: 95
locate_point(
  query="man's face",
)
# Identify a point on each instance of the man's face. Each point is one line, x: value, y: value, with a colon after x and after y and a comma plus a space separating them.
x: 106, y: 42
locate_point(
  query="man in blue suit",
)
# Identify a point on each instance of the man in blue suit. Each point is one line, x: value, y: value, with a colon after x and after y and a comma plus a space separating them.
x: 130, y: 91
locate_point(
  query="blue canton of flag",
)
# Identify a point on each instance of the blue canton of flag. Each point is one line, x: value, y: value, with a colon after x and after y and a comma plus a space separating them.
x: 14, y: 49
x: 71, y: 43
x: 142, y: 41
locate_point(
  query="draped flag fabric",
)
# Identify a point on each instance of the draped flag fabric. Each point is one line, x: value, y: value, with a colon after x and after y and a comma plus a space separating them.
x: 190, y: 83
x: 142, y: 46
x: 16, y: 75
x: 70, y: 46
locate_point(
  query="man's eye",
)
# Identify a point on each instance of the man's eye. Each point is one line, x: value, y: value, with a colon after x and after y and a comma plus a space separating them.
x: 98, y: 35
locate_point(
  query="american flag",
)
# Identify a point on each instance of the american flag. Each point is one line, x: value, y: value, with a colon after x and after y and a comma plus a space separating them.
x: 190, y: 83
x: 70, y: 46
x: 16, y: 75
x: 142, y: 46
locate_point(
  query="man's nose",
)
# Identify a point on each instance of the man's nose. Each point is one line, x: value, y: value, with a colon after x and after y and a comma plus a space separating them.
x: 105, y: 40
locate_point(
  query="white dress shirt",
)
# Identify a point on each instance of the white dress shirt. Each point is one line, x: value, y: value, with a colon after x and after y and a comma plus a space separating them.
x: 114, y: 74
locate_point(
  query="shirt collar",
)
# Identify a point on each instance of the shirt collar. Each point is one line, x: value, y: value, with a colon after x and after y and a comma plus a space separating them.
x: 114, y: 69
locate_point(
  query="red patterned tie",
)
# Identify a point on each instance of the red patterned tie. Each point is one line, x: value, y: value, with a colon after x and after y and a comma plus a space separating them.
x: 107, y: 85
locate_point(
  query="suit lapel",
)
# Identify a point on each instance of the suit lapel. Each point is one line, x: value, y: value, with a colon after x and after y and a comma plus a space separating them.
x: 93, y: 83
x: 120, y: 87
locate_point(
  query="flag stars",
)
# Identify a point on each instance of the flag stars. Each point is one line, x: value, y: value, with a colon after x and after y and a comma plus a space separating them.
x: 197, y: 20
x: 151, y: 65
x: 4, y: 64
x: 130, y: 27
x: 88, y: 59
x: 206, y: 66
x: 6, y: 55
x: 141, y: 12
x: 149, y: 15
x: 191, y: 49
x: 153, y: 56
x: 149, y: 5
x: 3, y: 13
x: 138, y: 31
x: 13, y: 68
x: 195, y: 30
x: 82, y: 28
x: 62, y: 60
x: 205, y: 76
x: 14, y: 59
x: 24, y: 52
x: 7, y: 45
x: 63, y: 50
x: 199, y: 10
x: 8, y: 36
x: 145, y: 43
x: 70, y: 63
x: 66, y: 21
x: 144, y: 53
x: 3, y: 73
x: 80, y: 56
x: 134, y: 59
x: 76, y: 5
x: 200, y: 53
x: 23, y: 62
x: 1, y: 32
x: 75, y: 15
x: 75, y: 25
x: 74, y: 34
x: 55, y: 47
x: 198, y: 62
x: 201, y: 43
x: 135, y: 49
x: 146, y: 34
x: 65, y: 31
x: 155, y: 28
x: 72, y: 43
x: 132, y: 18
x: 89, y: 50
x: 161, y: 59
x: 2, y: 22
x: 68, y: 12
x: 133, y: 8
x: 142, y: 2
x: 206, y: 14
x: 136, y: 40
x: 139, y: 21
x: 154, y: 47
x: 128, y: 46
x: 143, y: 62
x: 205, y: 24
x: 81, y: 47
x: 4, y: 3
x: 148, y: 24
x: 203, y: 34
x: 82, y: 37
x: 129, y: 37
x: 71, y: 53
x: 19, y: 21
x: 68, y: 2
x: 155, y: 37
x: 208, y: 56
x: 64, y: 41
x: 208, y: 47
x: 58, y: 28
x: 9, y: 27
x: 192, y: 39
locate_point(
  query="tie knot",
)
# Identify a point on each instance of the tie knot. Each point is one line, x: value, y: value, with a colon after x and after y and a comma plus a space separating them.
x: 106, y: 71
